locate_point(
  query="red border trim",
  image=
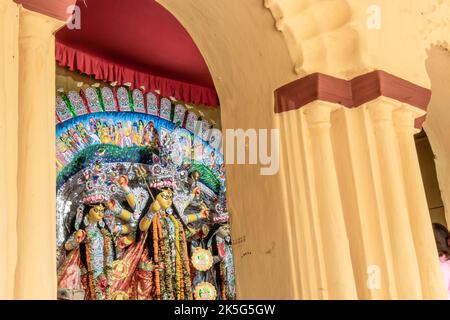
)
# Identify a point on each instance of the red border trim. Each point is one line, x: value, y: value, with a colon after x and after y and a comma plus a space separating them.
x: 108, y: 71
x: 53, y: 8
x: 352, y: 93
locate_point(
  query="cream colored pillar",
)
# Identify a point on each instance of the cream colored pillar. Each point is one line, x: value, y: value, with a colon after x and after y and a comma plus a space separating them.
x: 358, y: 174
x: 308, y: 209
x: 336, y: 250
x: 9, y: 60
x: 357, y: 206
x: 432, y: 284
x: 36, y: 265
x: 404, y: 257
x: 297, y: 240
x: 309, y: 278
x: 352, y: 177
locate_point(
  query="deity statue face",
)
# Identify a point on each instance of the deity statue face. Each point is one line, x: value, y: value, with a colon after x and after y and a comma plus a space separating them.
x: 205, y: 230
x: 224, y: 231
x: 96, y: 213
x: 105, y: 130
x: 165, y: 199
x: 123, y: 180
x: 196, y: 175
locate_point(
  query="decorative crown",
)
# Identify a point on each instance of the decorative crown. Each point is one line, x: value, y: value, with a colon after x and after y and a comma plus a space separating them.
x: 220, y: 208
x: 165, y: 173
x: 98, y: 187
x: 162, y: 177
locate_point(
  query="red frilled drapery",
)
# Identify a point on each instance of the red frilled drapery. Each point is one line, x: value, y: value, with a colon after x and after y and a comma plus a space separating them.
x: 101, y: 69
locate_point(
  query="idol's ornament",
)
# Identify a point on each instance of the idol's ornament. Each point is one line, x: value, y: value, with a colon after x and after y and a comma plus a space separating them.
x: 139, y: 217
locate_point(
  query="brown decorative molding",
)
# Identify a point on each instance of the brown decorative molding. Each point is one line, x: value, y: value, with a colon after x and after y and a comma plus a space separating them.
x: 352, y: 93
x: 419, y: 122
x: 52, y: 8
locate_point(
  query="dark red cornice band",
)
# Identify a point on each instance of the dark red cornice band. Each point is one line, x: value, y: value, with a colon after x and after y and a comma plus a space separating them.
x: 350, y: 93
x: 53, y: 8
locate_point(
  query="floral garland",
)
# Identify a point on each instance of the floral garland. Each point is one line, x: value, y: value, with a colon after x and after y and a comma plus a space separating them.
x: 161, y: 259
x: 89, y: 271
x: 95, y: 288
x: 167, y: 260
x: 178, y: 263
x: 106, y: 253
x: 173, y: 252
x: 156, y: 256
x: 186, y: 269
x: 181, y: 270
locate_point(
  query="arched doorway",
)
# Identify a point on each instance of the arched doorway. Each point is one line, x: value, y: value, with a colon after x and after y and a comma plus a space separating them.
x: 143, y: 111
x: 258, y: 64
x: 264, y: 254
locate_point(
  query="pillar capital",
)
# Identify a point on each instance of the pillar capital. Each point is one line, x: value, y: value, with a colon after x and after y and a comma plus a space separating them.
x: 379, y: 87
x: 318, y: 114
x: 405, y: 118
x: 36, y: 28
x: 381, y: 110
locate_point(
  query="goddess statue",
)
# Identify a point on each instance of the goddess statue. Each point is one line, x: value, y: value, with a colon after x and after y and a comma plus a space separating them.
x: 122, y: 245
x: 101, y: 232
x: 211, y: 254
x: 157, y: 266
x: 219, y: 244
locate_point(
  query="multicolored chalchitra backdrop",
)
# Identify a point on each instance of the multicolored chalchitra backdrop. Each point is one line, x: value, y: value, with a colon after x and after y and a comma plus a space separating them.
x: 141, y: 200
